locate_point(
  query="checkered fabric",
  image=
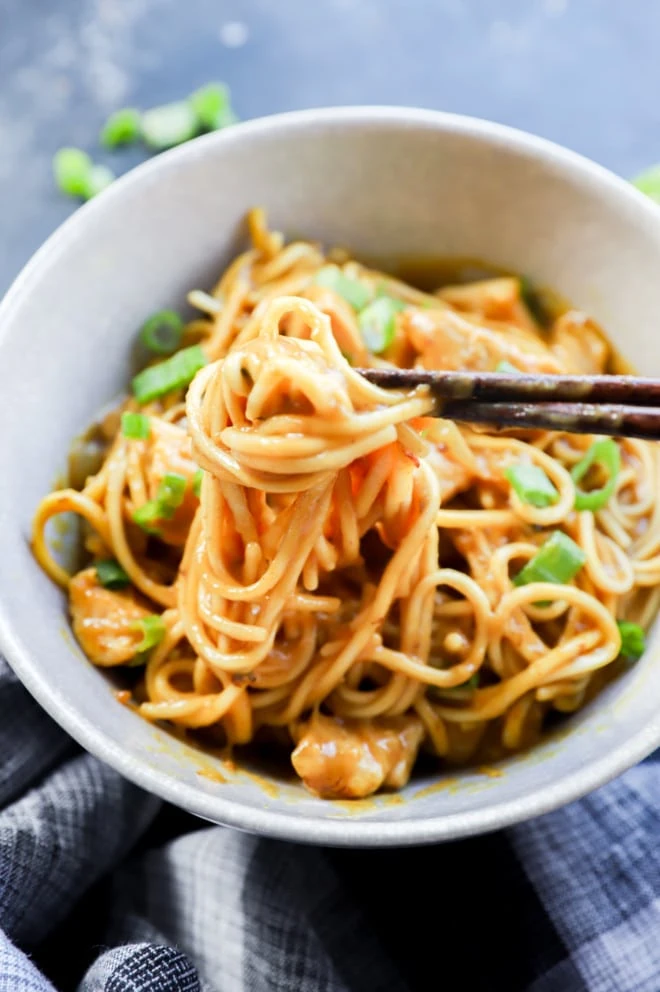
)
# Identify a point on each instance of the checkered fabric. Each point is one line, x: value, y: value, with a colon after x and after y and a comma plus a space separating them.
x: 104, y: 890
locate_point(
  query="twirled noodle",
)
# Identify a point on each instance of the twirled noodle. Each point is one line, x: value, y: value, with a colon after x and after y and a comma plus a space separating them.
x: 345, y: 577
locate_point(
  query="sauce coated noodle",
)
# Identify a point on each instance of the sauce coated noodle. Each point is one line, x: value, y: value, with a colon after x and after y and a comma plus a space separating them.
x: 344, y: 581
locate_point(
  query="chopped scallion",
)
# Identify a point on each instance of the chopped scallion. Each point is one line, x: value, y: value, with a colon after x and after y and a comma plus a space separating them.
x: 169, y: 497
x: 121, y: 128
x: 111, y: 575
x: 100, y: 176
x: 146, y: 516
x: 153, y: 631
x: 76, y: 175
x: 508, y: 368
x: 169, y: 125
x: 532, y: 485
x: 378, y: 323
x: 71, y: 168
x: 171, y: 493
x: 354, y: 292
x: 633, y: 639
x: 558, y: 560
x: 649, y: 182
x: 532, y: 300
x: 212, y: 106
x: 197, y: 482
x: 162, y: 332
x: 138, y: 660
x: 135, y: 425
x: 174, y: 373
x: 604, y: 452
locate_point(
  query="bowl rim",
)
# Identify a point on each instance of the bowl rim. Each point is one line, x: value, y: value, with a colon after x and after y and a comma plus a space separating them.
x: 296, y: 826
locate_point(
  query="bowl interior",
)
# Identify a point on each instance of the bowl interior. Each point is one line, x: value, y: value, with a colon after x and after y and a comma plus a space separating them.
x: 381, y: 183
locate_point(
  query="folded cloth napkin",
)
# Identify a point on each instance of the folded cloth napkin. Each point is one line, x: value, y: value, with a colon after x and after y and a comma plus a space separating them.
x: 104, y: 890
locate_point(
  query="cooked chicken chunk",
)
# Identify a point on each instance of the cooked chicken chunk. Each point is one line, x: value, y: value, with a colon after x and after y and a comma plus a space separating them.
x: 578, y: 344
x: 103, y: 620
x: 448, y: 340
x: 350, y: 759
x: 495, y: 299
x: 170, y: 451
x: 453, y: 476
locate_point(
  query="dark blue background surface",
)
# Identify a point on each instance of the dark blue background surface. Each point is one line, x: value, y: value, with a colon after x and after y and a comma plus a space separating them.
x: 585, y: 73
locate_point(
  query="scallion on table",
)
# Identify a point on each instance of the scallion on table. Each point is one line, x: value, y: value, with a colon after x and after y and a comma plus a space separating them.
x: 123, y: 127
x: 169, y: 125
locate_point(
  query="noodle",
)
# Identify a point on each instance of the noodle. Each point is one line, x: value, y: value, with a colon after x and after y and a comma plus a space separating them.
x: 345, y: 579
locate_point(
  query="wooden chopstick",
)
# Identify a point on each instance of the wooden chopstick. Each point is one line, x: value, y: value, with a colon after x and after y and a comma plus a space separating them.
x: 572, y: 418
x: 619, y: 406
x: 507, y: 387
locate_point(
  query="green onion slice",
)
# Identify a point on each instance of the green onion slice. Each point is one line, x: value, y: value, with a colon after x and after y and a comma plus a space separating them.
x: 146, y: 516
x: 76, y: 174
x: 153, y: 631
x: 135, y: 426
x: 138, y: 660
x: 508, y: 368
x: 162, y: 332
x: 174, y: 373
x: 532, y: 485
x: 532, y: 300
x: 197, y: 482
x: 649, y: 182
x: 121, y: 128
x: 353, y: 291
x: 99, y: 177
x: 633, y: 639
x: 604, y: 452
x: 558, y: 560
x: 72, y: 168
x: 171, y: 493
x: 169, y: 497
x: 169, y: 125
x: 471, y: 684
x: 378, y: 323
x: 110, y: 574
x: 212, y: 107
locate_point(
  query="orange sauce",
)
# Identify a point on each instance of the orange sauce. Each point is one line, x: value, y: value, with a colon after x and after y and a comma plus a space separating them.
x: 212, y: 774
x: 490, y: 772
x: 444, y: 783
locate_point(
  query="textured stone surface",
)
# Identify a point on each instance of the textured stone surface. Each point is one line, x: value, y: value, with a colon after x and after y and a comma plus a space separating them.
x: 582, y: 72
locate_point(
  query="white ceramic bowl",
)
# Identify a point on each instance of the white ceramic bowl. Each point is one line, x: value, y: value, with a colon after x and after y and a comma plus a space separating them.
x: 381, y: 181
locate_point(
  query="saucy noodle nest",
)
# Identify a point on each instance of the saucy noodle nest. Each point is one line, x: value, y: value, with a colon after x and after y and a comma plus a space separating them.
x: 289, y: 554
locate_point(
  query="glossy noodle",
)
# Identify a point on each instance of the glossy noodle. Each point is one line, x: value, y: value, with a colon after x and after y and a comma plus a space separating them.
x: 351, y: 579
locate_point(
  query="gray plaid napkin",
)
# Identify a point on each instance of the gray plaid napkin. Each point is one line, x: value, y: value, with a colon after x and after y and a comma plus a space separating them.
x: 101, y: 890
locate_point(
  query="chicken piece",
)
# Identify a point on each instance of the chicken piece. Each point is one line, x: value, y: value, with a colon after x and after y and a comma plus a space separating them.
x: 103, y: 620
x: 351, y: 759
x: 453, y: 341
x: 578, y: 343
x: 453, y: 476
x: 477, y: 547
x: 170, y: 450
x: 495, y: 299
